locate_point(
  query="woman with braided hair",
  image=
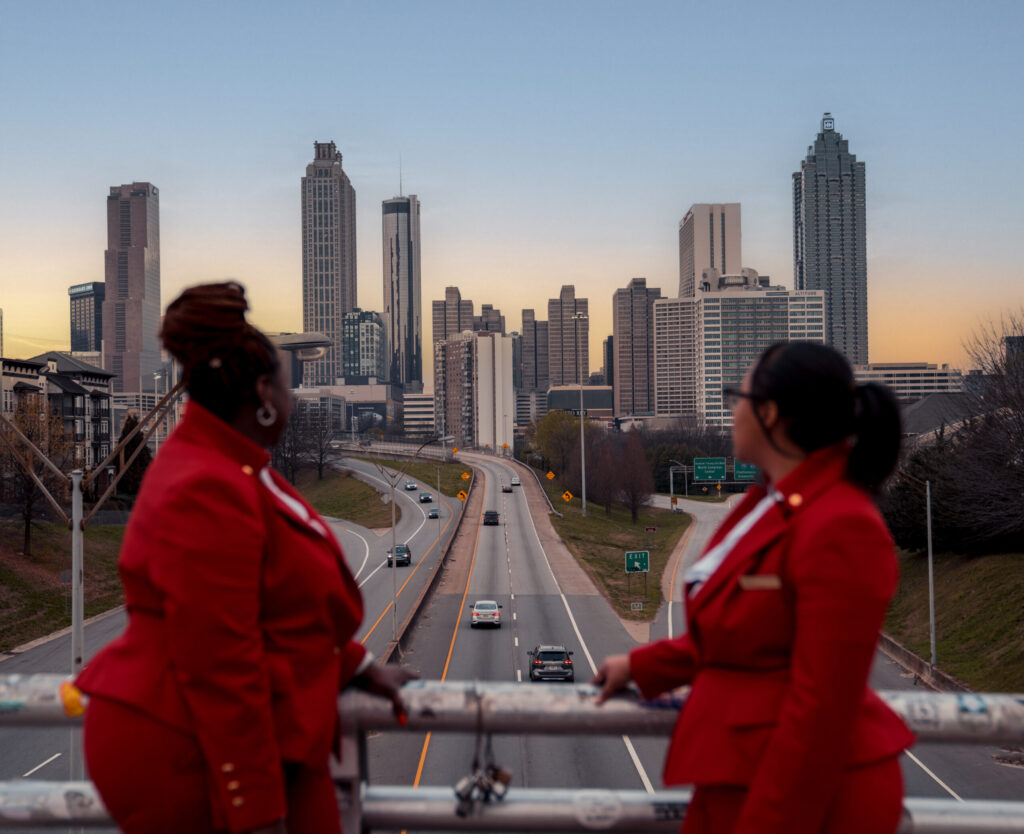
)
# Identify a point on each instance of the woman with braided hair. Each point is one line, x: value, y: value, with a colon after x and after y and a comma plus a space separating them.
x: 216, y: 709
x: 780, y: 733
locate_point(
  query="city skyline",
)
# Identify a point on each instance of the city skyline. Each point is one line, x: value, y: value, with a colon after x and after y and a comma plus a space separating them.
x: 541, y: 160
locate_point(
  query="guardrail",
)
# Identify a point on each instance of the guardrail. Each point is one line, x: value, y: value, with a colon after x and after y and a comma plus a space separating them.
x: 478, y: 707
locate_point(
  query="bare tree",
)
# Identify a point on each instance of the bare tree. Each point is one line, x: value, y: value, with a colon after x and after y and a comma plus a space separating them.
x: 556, y: 436
x: 46, y: 431
x: 316, y: 427
x: 285, y: 455
x: 635, y: 481
x: 602, y: 487
x: 132, y: 479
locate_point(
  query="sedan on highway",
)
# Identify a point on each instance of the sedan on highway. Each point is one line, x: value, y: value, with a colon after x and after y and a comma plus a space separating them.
x: 485, y: 612
x: 410, y: 485
x: 434, y: 513
x: 551, y: 663
x: 490, y: 517
x: 506, y: 488
x: 426, y: 497
x: 404, y: 556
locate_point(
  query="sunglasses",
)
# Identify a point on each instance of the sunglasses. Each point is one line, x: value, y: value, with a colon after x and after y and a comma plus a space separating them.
x: 734, y: 395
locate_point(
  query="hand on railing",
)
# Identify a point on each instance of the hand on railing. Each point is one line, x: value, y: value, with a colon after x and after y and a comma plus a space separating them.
x: 612, y: 676
x: 386, y: 680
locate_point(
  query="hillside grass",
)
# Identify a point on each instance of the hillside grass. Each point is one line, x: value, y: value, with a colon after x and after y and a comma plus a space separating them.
x: 979, y: 616
x: 341, y: 495
x: 34, y: 601
x: 600, y: 541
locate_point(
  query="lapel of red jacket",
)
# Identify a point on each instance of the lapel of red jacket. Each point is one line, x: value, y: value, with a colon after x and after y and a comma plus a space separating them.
x: 797, y: 491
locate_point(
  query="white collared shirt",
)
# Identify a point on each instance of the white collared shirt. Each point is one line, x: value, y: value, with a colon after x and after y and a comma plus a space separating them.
x: 701, y: 570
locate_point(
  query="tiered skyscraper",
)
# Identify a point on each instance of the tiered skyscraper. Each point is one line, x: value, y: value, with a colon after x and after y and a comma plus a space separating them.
x: 451, y: 316
x: 328, y: 258
x: 402, y: 297
x: 830, y: 241
x: 131, y: 308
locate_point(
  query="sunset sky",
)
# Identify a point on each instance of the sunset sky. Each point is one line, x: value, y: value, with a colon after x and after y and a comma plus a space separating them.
x: 549, y: 144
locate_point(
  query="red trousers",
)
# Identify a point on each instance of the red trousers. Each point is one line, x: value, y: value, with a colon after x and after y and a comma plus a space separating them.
x: 869, y: 801
x: 153, y: 779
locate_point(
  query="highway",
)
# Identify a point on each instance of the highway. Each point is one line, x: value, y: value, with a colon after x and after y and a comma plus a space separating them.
x: 546, y: 598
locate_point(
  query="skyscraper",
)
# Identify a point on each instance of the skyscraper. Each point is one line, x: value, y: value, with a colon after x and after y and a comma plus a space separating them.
x: 830, y: 241
x: 364, y: 347
x: 451, y: 316
x: 131, y: 309
x: 328, y: 258
x: 632, y: 372
x: 87, y: 316
x: 402, y: 299
x: 490, y: 320
x: 709, y: 236
x: 535, y: 353
x: 568, y: 332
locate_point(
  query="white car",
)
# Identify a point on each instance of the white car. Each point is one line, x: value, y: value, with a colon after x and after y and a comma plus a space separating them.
x: 486, y: 612
x: 516, y: 481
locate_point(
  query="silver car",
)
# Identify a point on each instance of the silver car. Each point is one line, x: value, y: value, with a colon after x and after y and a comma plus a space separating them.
x: 486, y: 612
x: 551, y: 663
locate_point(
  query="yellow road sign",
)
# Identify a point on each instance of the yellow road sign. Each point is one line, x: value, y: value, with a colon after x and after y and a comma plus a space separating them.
x: 567, y: 496
x: 465, y: 476
x: 461, y: 495
x: 454, y: 451
x: 551, y: 476
x: 675, y: 500
x: 504, y: 445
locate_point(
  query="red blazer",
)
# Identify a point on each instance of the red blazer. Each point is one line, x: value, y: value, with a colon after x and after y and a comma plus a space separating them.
x: 779, y: 645
x: 241, y: 616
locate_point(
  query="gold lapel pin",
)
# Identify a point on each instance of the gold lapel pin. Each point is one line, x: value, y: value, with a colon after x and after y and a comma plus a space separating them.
x: 795, y: 500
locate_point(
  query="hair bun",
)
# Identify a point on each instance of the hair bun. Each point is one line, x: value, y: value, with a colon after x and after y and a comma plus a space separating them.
x: 203, y: 321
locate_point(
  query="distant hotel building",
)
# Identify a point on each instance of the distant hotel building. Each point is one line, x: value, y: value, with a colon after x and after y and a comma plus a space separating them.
x: 631, y: 371
x: 568, y: 335
x: 705, y: 344
x: 131, y: 307
x: 474, y: 400
x: 911, y: 380
x: 402, y: 298
x: 709, y: 236
x: 328, y: 258
x: 418, y: 416
x: 830, y: 239
x: 451, y: 316
x: 87, y: 316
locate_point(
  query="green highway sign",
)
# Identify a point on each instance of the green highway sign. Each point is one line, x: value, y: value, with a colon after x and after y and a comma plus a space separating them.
x: 744, y: 471
x: 709, y: 469
x: 638, y: 561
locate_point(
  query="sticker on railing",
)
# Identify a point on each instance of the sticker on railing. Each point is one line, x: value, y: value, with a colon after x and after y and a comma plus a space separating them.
x: 596, y: 810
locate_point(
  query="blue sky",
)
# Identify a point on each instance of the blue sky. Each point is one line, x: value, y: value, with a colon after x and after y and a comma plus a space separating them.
x: 548, y: 143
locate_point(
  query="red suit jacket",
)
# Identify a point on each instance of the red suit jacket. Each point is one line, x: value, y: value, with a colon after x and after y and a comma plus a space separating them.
x: 779, y: 645
x: 241, y: 617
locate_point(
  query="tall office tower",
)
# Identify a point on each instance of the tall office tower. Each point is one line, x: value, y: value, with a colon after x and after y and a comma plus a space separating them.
x: 705, y: 344
x: 474, y: 400
x: 490, y: 320
x: 568, y: 332
x: 633, y: 337
x: 131, y: 307
x: 364, y: 348
x: 328, y: 258
x: 451, y: 316
x: 535, y: 353
x: 402, y: 299
x: 87, y: 316
x: 608, y: 356
x: 709, y: 235
x: 829, y: 239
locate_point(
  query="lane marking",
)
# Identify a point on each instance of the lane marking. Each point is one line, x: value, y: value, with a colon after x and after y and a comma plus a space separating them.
x: 515, y: 642
x: 942, y: 784
x: 455, y: 633
x: 40, y: 766
x: 675, y: 569
x: 593, y: 668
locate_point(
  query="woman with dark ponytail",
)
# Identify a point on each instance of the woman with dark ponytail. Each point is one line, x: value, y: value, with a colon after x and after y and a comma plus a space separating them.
x: 780, y: 733
x: 216, y: 710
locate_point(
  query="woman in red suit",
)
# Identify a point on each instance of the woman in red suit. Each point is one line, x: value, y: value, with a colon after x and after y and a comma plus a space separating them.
x: 216, y: 709
x: 780, y: 732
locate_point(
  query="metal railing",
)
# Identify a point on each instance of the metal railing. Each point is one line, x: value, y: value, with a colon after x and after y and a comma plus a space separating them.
x: 548, y: 709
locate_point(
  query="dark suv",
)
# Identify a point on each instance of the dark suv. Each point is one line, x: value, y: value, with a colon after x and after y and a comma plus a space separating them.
x: 490, y: 517
x: 551, y: 663
x: 404, y: 556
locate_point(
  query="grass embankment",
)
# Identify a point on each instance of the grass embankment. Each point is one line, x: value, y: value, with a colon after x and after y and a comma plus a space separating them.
x: 979, y: 617
x: 600, y: 541
x: 34, y: 601
x: 426, y: 474
x: 340, y: 495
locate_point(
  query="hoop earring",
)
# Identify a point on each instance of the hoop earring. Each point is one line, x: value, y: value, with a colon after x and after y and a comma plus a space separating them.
x: 266, y: 414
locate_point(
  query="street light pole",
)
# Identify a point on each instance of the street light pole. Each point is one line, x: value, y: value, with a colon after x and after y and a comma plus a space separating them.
x: 578, y: 317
